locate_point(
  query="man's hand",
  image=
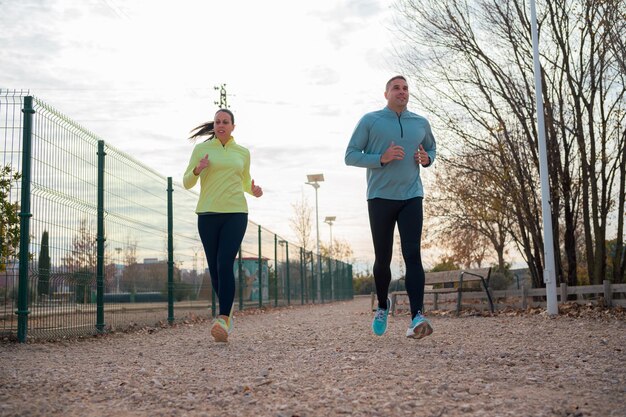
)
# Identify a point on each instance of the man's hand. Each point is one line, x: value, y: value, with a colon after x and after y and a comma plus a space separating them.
x: 421, y: 156
x: 393, y: 153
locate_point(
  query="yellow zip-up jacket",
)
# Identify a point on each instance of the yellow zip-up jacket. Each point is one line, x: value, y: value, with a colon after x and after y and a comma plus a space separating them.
x: 224, y: 181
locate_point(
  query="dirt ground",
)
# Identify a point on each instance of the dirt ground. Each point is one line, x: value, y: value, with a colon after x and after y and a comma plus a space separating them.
x: 324, y: 361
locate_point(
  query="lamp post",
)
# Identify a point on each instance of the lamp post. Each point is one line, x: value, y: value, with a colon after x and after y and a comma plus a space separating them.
x: 549, y: 268
x: 330, y: 220
x: 117, y: 271
x: 314, y: 180
x: 196, y: 282
x: 285, y: 244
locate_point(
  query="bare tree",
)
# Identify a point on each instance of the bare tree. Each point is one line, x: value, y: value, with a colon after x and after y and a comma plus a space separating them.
x: 301, y: 222
x: 465, y: 214
x: 81, y: 260
x: 340, y: 250
x: 83, y: 253
x: 614, y: 24
x: 132, y: 270
x: 473, y: 65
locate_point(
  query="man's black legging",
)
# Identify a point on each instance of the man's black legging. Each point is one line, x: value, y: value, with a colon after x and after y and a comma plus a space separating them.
x: 221, y: 235
x: 408, y: 214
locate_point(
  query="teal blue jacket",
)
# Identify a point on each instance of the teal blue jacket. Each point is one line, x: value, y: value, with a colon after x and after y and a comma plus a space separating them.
x: 396, y: 180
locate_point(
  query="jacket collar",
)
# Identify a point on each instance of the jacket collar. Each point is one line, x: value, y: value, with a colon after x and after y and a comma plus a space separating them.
x: 388, y: 110
x: 230, y: 142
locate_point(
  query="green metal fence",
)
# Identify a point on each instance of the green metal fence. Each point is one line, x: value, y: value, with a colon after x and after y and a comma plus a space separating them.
x: 92, y: 240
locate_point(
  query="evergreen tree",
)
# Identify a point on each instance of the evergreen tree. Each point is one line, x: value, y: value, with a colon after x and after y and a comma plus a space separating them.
x: 44, y: 266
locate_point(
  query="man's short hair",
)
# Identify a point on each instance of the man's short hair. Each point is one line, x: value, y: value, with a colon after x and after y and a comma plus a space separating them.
x: 397, y: 77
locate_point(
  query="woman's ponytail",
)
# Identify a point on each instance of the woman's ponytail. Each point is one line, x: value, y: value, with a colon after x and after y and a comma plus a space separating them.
x: 203, y: 130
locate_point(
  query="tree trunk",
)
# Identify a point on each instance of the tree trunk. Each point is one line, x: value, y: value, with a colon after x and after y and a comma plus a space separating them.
x: 619, y: 259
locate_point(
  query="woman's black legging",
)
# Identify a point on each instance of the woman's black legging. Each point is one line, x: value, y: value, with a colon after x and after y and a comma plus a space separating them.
x: 408, y: 214
x: 221, y: 235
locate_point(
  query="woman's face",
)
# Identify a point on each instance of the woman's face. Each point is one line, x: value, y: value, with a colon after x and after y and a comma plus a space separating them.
x: 223, y: 125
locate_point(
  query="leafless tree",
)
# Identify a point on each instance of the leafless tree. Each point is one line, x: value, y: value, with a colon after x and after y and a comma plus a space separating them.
x: 301, y: 222
x: 465, y: 215
x: 83, y: 253
x: 341, y: 250
x: 473, y: 66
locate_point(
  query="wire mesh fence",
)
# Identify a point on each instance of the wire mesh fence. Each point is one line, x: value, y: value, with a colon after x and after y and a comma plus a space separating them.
x: 91, y: 253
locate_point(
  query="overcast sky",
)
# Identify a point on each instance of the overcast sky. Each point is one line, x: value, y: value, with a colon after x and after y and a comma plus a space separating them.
x: 141, y: 74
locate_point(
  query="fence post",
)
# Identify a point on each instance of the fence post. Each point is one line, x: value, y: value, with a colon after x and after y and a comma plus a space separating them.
x: 260, y: 270
x: 608, y: 295
x: 313, y: 298
x: 563, y: 292
x: 459, y: 295
x: 275, y: 270
x: 302, y: 272
x: 350, y: 281
x: 323, y: 284
x: 343, y: 274
x: 524, y: 297
x: 340, y: 281
x: 240, y: 272
x: 170, y: 252
x: 100, y: 242
x: 332, y: 279
x: 25, y: 215
x: 288, y: 286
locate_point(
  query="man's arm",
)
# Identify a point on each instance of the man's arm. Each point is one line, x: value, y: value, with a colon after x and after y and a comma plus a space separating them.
x: 355, y: 153
x: 430, y: 145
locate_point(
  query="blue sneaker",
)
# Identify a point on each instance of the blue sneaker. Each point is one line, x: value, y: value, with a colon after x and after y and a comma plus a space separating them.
x: 420, y: 327
x: 379, y: 324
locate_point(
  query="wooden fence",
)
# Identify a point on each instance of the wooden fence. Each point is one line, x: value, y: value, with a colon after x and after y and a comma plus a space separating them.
x: 607, y: 294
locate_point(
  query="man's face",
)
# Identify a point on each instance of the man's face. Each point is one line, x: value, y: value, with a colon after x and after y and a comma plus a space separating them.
x: 397, y: 94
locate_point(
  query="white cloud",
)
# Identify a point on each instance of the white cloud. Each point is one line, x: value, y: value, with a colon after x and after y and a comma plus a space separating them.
x: 140, y: 74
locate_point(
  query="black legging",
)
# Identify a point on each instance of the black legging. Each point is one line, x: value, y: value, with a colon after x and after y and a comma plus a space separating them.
x: 221, y: 235
x: 384, y: 214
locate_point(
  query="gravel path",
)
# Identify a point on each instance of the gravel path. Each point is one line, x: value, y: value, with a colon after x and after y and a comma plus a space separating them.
x: 324, y: 361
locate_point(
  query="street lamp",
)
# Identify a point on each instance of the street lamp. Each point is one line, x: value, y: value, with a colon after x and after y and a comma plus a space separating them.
x: 285, y: 277
x: 314, y: 180
x: 549, y: 270
x: 196, y: 281
x: 330, y: 220
x: 117, y: 271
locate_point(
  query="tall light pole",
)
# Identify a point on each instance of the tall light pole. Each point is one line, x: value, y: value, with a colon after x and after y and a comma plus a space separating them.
x: 117, y: 270
x: 549, y: 268
x: 196, y: 282
x: 314, y: 180
x: 330, y: 220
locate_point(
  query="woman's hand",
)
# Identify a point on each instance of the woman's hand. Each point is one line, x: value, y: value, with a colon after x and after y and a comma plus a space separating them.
x: 256, y: 190
x: 204, y: 162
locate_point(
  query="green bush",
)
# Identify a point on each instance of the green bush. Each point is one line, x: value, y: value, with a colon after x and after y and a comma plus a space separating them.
x: 363, y: 284
x: 500, y: 280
